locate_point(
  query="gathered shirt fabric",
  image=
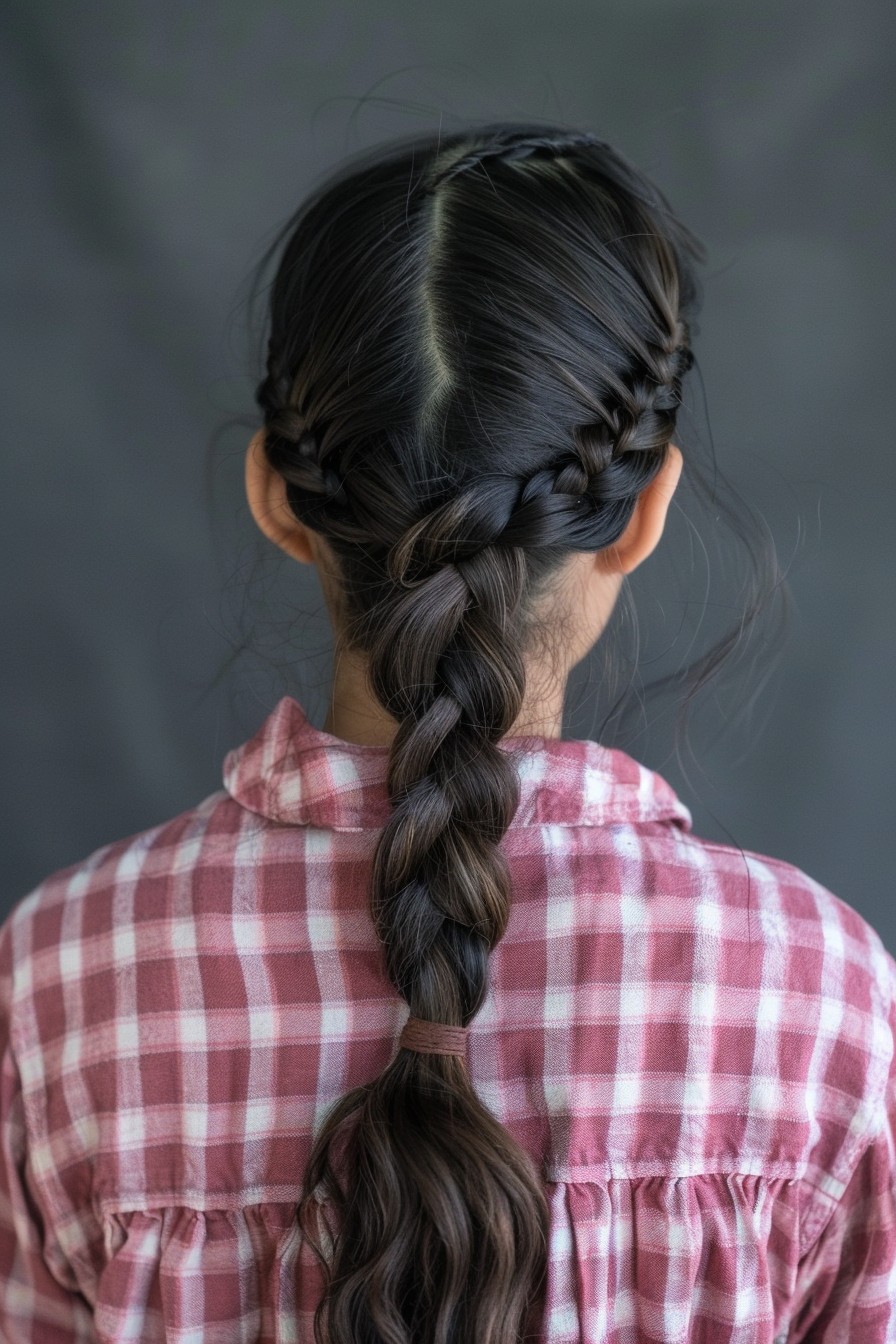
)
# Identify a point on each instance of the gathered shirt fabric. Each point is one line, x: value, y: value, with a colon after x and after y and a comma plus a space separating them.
x: 694, y: 1044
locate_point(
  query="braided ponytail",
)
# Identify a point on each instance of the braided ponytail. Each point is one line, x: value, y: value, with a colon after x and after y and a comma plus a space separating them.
x: 455, y: 419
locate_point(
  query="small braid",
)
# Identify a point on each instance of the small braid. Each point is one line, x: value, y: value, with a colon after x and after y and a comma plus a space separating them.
x: 288, y: 433
x: 511, y: 148
x: 597, y: 471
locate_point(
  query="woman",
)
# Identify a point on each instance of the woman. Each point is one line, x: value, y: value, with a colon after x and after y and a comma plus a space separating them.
x: 433, y: 1025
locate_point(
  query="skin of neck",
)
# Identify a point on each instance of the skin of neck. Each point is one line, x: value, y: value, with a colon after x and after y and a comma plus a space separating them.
x: 585, y: 591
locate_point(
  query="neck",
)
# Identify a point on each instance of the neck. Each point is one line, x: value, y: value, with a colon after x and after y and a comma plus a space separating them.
x: 356, y: 715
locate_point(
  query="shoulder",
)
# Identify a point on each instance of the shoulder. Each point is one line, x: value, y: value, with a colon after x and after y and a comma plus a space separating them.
x: 760, y: 919
x: 816, y: 939
x: 800, y: 900
x: 83, y: 899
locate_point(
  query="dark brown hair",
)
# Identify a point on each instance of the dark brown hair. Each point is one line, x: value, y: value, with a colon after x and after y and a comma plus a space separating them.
x: 475, y: 360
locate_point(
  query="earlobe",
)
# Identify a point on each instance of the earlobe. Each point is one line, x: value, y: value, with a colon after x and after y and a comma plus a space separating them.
x: 266, y: 493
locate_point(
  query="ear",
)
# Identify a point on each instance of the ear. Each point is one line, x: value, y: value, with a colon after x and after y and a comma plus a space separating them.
x: 266, y: 492
x: 646, y: 524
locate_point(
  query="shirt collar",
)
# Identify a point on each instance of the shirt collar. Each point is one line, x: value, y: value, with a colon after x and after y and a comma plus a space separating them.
x: 294, y: 773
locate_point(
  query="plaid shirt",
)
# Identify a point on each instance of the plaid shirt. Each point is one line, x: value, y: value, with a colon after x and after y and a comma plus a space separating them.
x: 695, y: 1045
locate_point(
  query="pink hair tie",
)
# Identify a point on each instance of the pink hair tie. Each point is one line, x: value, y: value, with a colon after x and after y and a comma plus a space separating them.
x: 433, y: 1038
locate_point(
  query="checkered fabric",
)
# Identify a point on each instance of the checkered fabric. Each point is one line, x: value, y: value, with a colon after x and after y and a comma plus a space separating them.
x: 694, y: 1043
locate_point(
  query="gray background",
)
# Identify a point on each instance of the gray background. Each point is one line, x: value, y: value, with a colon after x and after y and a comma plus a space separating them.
x: 149, y: 154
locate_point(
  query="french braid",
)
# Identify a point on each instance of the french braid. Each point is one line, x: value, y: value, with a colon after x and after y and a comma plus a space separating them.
x: 443, y: 1215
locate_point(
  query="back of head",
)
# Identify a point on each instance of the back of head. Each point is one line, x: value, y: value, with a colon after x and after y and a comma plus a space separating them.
x: 475, y: 361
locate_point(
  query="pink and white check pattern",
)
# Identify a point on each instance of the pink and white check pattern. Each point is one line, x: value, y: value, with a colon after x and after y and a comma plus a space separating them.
x: 695, y: 1044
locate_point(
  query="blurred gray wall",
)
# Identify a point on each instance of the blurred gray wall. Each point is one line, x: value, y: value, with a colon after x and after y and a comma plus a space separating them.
x: 150, y: 152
